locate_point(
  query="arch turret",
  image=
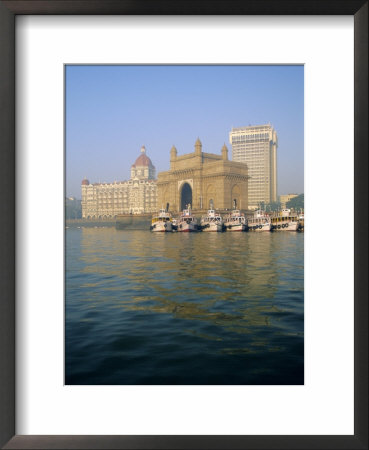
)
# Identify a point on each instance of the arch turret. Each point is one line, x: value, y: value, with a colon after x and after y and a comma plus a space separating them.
x: 224, y: 152
x: 198, y: 147
x: 173, y: 153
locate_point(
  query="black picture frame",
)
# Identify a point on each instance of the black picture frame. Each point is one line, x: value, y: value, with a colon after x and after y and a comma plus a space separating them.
x: 8, y: 12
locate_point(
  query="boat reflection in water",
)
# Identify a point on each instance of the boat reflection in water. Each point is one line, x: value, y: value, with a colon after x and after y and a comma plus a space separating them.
x: 189, y: 308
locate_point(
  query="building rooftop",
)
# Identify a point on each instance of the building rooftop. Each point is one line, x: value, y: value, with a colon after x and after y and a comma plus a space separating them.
x: 143, y: 159
x: 252, y: 128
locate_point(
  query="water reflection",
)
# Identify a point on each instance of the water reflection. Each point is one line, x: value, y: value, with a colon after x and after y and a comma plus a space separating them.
x: 232, y: 294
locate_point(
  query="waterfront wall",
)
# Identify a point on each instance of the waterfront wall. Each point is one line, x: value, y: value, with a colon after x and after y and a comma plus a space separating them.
x: 122, y: 222
x: 90, y: 223
x: 133, y: 222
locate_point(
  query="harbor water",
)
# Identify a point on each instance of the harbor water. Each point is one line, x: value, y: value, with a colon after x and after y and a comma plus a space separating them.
x: 183, y: 308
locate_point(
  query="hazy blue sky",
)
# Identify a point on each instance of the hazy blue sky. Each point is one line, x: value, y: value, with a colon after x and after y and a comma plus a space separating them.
x: 111, y: 111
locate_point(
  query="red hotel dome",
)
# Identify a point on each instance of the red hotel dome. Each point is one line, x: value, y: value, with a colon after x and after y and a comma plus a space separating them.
x: 85, y: 182
x: 143, y: 159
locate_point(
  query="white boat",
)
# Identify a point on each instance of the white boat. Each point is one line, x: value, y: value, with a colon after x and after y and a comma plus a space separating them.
x: 286, y: 222
x: 260, y: 222
x: 187, y: 222
x: 212, y: 221
x: 235, y: 221
x: 161, y: 221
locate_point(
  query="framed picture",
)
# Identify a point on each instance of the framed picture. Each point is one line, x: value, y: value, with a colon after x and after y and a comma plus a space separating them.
x: 275, y: 397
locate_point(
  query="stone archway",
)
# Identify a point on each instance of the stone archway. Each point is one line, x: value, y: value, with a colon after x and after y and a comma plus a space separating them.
x: 236, y: 197
x: 165, y: 199
x: 210, y: 197
x: 186, y: 196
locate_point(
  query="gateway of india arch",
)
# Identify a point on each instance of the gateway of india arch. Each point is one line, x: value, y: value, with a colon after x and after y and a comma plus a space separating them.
x: 204, y: 181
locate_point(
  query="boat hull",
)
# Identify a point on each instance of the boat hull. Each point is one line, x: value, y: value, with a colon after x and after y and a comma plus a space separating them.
x: 236, y: 227
x: 161, y: 227
x: 215, y: 227
x: 260, y: 227
x: 288, y: 226
x: 186, y: 227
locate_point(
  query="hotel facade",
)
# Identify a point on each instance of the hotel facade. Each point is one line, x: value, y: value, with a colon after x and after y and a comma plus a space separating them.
x: 138, y: 195
x: 257, y: 147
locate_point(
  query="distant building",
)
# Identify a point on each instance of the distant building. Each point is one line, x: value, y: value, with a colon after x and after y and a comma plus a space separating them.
x: 257, y: 147
x: 203, y: 180
x: 138, y: 195
x: 72, y: 208
x: 286, y: 198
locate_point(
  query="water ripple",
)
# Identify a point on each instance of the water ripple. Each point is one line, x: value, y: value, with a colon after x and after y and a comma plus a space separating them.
x: 206, y: 308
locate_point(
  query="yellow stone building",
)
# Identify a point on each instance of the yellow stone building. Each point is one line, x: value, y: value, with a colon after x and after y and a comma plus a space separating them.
x: 203, y: 179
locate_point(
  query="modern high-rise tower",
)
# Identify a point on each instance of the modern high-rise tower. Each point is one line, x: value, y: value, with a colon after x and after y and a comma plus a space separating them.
x: 257, y: 147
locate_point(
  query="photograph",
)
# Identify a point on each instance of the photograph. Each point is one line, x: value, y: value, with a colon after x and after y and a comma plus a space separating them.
x: 184, y: 224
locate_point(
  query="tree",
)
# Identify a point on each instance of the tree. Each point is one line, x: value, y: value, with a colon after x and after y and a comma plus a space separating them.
x: 269, y: 207
x: 296, y: 203
x: 73, y: 208
x: 273, y: 207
